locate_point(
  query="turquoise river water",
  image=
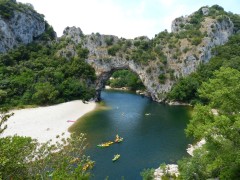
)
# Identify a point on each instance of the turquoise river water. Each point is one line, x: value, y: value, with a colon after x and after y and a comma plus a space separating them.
x: 153, y: 134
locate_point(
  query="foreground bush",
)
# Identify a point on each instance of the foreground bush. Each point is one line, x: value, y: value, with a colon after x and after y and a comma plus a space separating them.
x: 25, y: 158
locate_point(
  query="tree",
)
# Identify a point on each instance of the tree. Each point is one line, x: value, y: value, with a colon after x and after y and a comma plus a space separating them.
x: 147, y: 174
x: 185, y: 90
x: 3, y: 95
x: 219, y: 157
x: 33, y: 74
x: 13, y: 152
x: 25, y: 158
x: 126, y: 78
x: 113, y: 49
x: 3, y: 119
x: 223, y: 91
x: 14, y: 155
x: 45, y: 93
x: 63, y: 160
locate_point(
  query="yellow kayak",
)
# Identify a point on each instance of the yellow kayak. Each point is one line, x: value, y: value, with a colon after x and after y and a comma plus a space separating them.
x: 106, y: 144
x: 116, y: 157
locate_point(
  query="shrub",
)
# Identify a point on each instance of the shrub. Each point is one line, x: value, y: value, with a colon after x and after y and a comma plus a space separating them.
x: 196, y: 41
x: 147, y: 174
x: 109, y: 40
x: 113, y: 50
x: 162, y: 78
x: 186, y: 49
x: 136, y: 43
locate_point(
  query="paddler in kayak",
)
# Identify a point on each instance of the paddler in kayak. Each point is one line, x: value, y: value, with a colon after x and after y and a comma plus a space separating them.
x: 118, y: 139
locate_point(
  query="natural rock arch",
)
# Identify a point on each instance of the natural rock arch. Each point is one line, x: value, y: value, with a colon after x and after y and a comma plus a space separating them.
x: 171, y: 59
x: 104, y: 67
x: 104, y: 72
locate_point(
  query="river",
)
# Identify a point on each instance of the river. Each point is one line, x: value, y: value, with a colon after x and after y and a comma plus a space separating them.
x: 153, y: 134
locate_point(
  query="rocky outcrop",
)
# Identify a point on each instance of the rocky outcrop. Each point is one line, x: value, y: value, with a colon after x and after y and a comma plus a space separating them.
x: 21, y: 28
x: 205, y: 11
x: 198, y: 145
x: 178, y: 22
x: 217, y: 32
x: 73, y: 33
x: 171, y: 170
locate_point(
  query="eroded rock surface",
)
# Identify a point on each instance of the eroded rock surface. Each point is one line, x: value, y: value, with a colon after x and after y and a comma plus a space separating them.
x: 21, y: 28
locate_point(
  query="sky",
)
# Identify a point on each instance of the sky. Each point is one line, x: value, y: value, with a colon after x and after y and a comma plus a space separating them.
x: 123, y: 18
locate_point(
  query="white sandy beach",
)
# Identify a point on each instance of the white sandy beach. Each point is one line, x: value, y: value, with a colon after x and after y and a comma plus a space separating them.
x: 45, y: 123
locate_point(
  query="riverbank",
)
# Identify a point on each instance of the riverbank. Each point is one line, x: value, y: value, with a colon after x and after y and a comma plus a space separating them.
x: 120, y: 89
x: 140, y: 92
x: 45, y: 123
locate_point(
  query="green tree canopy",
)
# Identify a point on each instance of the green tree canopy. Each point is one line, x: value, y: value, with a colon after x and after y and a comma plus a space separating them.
x: 34, y: 74
x: 219, y: 157
x: 223, y: 91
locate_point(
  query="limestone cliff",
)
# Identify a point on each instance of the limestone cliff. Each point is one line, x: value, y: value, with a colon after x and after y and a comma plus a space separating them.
x: 158, y: 62
x: 20, y: 24
x: 216, y: 32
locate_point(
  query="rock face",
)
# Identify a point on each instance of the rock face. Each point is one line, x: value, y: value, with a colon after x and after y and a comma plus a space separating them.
x: 21, y: 28
x: 176, y: 23
x: 205, y: 11
x: 217, y: 33
x: 190, y: 55
x: 73, y: 33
